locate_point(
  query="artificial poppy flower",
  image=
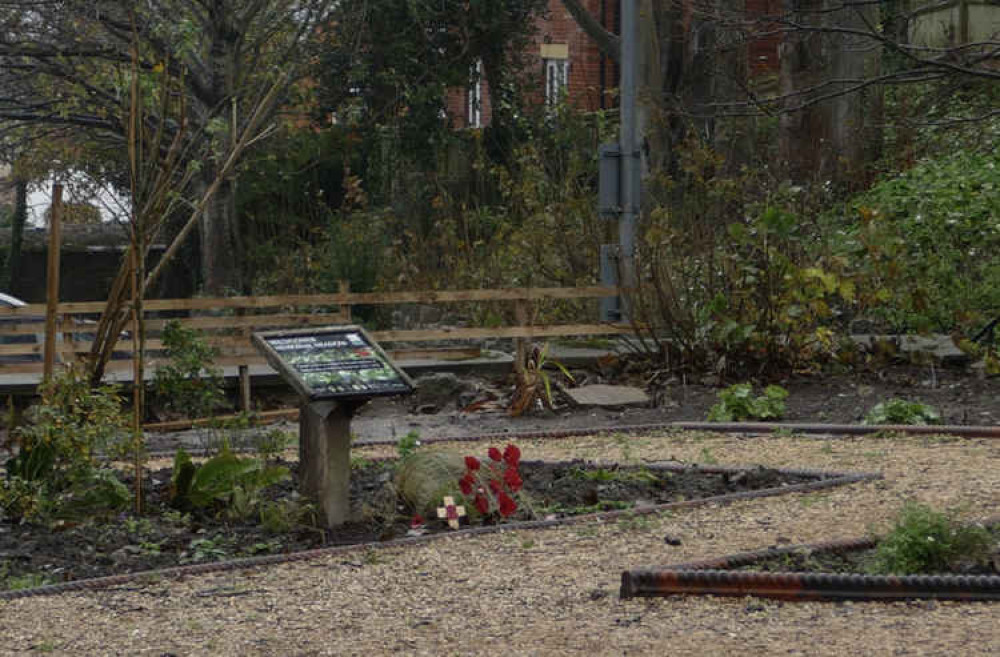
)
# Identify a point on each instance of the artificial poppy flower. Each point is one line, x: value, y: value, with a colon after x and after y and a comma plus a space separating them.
x: 471, y: 463
x: 507, y: 505
x: 482, y: 504
x: 494, y: 454
x: 512, y: 479
x: 495, y: 487
x: 512, y: 455
x: 417, y: 521
x: 466, y: 483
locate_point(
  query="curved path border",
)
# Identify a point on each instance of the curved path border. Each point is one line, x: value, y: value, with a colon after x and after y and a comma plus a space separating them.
x: 707, y: 577
x: 827, y: 479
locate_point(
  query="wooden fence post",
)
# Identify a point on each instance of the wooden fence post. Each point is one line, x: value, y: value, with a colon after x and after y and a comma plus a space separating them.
x: 344, y: 287
x: 521, y: 344
x: 52, y: 280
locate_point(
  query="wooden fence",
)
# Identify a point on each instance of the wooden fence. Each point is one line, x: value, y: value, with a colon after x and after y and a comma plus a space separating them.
x: 233, y: 319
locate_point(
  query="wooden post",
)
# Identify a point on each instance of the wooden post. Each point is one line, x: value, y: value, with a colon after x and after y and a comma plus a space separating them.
x: 521, y: 344
x: 245, y: 399
x: 52, y: 280
x: 345, y: 309
x: 325, y: 457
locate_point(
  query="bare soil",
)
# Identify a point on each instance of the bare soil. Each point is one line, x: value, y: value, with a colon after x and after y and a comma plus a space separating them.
x: 164, y: 537
x: 960, y: 396
x: 553, y: 591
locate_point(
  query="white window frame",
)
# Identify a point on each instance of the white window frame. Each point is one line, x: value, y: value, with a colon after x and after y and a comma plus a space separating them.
x: 474, y: 109
x: 556, y: 79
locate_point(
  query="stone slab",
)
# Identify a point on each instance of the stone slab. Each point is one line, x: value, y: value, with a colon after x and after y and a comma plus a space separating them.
x: 606, y: 395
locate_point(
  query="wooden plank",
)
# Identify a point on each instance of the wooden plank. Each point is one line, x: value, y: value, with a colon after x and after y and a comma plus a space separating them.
x: 31, y: 328
x: 250, y: 321
x: 340, y: 299
x: 236, y: 350
x: 448, y: 353
x: 501, y: 332
x: 262, y: 417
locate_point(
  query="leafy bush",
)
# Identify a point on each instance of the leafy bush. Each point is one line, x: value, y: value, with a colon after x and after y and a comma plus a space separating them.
x: 733, y: 277
x: 187, y: 383
x: 737, y: 402
x: 900, y: 411
x: 21, y: 499
x: 924, y: 243
x: 923, y: 541
x: 407, y: 444
x: 225, y: 480
x: 54, y: 471
x: 71, y: 424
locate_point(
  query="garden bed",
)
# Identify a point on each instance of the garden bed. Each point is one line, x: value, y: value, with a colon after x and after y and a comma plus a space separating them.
x: 33, y: 555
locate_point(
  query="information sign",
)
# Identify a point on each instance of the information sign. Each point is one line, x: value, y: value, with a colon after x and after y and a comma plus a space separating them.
x: 333, y: 362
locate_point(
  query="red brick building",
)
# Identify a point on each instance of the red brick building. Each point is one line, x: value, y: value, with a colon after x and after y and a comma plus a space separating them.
x: 564, y: 60
x: 567, y: 61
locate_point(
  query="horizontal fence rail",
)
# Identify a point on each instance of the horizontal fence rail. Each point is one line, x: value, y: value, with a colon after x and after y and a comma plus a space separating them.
x: 22, y: 329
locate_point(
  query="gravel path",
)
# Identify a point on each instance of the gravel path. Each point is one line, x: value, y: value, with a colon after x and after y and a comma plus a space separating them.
x: 554, y: 592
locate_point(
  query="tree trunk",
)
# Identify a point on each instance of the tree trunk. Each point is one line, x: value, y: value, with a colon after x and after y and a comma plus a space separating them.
x: 221, y: 255
x: 17, y: 235
x: 825, y: 139
x: 220, y: 243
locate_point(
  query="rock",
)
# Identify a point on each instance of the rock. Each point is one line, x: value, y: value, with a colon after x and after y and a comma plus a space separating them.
x: 436, y: 391
x: 607, y: 395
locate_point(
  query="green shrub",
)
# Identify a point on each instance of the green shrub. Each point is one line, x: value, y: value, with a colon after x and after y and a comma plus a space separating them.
x: 187, y: 383
x: 54, y: 471
x: 900, y: 411
x: 271, y: 444
x: 923, y: 242
x: 20, y: 499
x: 407, y: 444
x: 99, y: 493
x: 737, y: 402
x: 225, y: 480
x: 70, y: 426
x: 924, y: 541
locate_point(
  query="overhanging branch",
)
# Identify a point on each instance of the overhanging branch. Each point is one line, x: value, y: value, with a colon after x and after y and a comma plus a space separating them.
x: 607, y: 42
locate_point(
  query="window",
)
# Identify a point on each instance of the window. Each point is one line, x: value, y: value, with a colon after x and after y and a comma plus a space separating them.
x: 556, y: 79
x: 474, y: 116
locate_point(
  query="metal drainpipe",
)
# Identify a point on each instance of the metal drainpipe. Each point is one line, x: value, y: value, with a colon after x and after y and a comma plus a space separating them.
x: 629, y: 151
x: 601, y: 75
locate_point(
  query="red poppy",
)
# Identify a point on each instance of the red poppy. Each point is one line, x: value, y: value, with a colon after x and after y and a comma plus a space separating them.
x: 482, y: 504
x: 512, y: 455
x: 495, y: 486
x: 472, y: 463
x: 507, y: 505
x: 417, y: 521
x: 466, y: 483
x: 494, y: 454
x: 512, y: 479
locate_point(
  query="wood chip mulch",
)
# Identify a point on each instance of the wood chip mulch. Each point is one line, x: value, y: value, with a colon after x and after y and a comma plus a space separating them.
x: 555, y: 591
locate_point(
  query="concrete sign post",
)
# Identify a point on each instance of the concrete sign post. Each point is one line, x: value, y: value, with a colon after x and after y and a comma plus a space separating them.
x: 335, y: 370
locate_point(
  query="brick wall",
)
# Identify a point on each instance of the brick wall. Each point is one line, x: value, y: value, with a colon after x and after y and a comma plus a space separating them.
x: 587, y: 88
x: 592, y: 77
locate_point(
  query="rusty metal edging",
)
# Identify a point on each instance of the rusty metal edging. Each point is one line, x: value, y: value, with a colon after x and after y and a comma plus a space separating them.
x: 832, y: 479
x: 708, y: 577
x: 962, y: 431
x: 807, y: 586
